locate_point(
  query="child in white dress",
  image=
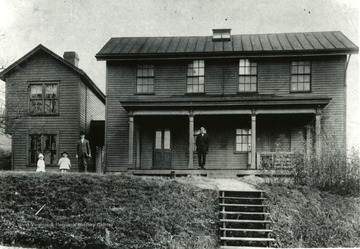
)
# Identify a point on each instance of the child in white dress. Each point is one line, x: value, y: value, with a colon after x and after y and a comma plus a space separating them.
x: 64, y: 163
x: 40, y: 164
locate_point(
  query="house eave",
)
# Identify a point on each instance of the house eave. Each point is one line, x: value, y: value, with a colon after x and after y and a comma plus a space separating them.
x: 210, y: 55
x: 221, y: 102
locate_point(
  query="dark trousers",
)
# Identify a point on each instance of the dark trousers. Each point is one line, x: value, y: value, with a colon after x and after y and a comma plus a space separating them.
x: 202, y: 158
x: 83, y: 163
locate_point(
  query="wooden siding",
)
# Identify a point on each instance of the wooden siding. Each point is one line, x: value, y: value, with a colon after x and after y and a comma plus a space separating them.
x: 328, y: 78
x: 82, y: 109
x: 120, y: 83
x: 170, y: 80
x: 42, y: 67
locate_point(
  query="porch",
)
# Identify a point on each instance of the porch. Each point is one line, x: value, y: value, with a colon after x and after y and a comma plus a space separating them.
x: 244, y: 140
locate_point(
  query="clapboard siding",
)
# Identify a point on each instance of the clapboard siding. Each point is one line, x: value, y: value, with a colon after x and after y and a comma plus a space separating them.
x: 221, y: 76
x: 170, y: 78
x: 328, y: 78
x: 43, y: 67
x: 82, y: 108
x: 120, y: 83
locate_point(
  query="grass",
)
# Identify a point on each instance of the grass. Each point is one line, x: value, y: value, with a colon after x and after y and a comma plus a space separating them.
x: 105, y: 211
x: 123, y: 211
x: 307, y: 217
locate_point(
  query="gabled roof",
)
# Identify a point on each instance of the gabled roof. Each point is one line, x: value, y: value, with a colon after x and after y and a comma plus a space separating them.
x: 77, y: 70
x: 332, y: 42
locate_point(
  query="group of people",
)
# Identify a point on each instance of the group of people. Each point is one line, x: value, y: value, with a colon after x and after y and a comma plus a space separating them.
x: 83, y: 153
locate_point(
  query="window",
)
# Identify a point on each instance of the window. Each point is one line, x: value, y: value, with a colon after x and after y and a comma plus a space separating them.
x: 46, y: 144
x: 243, y: 140
x: 145, y: 79
x: 44, y: 99
x: 300, y: 76
x: 247, y: 76
x: 195, y: 76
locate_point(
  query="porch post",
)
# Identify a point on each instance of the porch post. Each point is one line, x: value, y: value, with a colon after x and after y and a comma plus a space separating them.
x: 137, y: 147
x: 131, y: 139
x: 308, y: 141
x: 191, y: 144
x: 317, y: 132
x: 253, y: 140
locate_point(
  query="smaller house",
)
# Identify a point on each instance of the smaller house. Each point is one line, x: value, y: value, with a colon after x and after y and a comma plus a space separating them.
x: 49, y: 100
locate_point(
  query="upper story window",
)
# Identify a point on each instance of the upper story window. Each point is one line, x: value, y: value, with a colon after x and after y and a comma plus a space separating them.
x: 44, y: 98
x: 243, y: 140
x: 247, y: 76
x: 300, y: 76
x: 195, y: 76
x: 145, y: 79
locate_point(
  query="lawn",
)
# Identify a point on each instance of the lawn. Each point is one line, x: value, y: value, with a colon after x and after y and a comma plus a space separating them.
x: 105, y: 211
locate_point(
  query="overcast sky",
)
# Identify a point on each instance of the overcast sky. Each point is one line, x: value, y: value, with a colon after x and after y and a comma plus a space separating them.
x: 85, y: 26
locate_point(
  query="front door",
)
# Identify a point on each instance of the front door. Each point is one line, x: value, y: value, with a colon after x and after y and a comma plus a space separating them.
x: 162, y: 151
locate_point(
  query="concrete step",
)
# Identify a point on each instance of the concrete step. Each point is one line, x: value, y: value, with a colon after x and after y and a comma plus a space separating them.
x: 245, y: 221
x: 247, y: 239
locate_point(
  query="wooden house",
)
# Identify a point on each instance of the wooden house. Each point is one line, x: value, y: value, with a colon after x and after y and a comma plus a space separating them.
x: 49, y: 100
x: 261, y: 97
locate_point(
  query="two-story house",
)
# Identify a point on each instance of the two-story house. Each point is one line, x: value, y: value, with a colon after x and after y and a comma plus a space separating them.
x: 257, y: 96
x: 49, y: 100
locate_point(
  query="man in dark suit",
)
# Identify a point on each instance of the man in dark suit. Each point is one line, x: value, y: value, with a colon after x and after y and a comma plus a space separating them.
x: 202, y: 147
x: 83, y: 152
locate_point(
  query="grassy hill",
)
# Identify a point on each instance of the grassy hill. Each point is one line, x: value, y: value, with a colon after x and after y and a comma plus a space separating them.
x: 112, y: 211
x: 122, y: 211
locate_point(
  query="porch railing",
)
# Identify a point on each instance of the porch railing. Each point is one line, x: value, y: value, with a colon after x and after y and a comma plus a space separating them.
x: 271, y: 160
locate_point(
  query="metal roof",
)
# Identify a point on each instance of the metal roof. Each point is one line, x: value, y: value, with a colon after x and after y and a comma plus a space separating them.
x: 285, y: 43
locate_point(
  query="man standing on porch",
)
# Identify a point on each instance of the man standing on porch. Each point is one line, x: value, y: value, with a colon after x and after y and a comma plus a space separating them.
x: 202, y: 147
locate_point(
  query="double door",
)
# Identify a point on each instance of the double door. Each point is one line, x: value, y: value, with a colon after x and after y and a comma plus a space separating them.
x: 162, y: 149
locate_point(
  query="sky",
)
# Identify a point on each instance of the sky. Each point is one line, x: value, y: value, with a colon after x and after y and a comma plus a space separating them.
x: 85, y: 26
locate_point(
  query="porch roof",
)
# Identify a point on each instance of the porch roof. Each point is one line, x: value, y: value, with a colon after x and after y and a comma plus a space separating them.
x: 242, y: 102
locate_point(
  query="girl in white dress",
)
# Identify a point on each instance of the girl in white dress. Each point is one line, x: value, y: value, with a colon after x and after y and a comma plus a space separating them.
x: 64, y: 163
x: 40, y: 164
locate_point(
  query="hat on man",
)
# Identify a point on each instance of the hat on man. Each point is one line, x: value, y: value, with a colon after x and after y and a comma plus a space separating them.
x: 41, y: 156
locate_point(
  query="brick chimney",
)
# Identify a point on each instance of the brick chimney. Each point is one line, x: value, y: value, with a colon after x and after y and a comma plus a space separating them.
x: 72, y: 57
x: 221, y: 34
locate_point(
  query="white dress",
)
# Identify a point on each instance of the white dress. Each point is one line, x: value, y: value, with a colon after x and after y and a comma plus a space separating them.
x: 64, y: 163
x: 40, y: 166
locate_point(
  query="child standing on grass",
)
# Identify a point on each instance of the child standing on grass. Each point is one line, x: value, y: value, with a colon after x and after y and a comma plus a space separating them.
x: 40, y: 164
x: 64, y: 163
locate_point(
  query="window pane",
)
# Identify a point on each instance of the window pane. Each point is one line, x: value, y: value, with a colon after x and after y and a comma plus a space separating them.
x: 167, y: 139
x: 241, y: 88
x: 300, y: 86
x: 201, y: 71
x: 51, y: 91
x: 247, y: 87
x: 36, y: 91
x: 253, y: 88
x: 201, y: 88
x: 36, y: 107
x: 306, y: 86
x: 306, y: 78
x: 158, y: 138
x: 51, y: 107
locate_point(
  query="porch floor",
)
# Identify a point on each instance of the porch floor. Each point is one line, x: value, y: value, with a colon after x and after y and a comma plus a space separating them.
x: 213, y: 173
